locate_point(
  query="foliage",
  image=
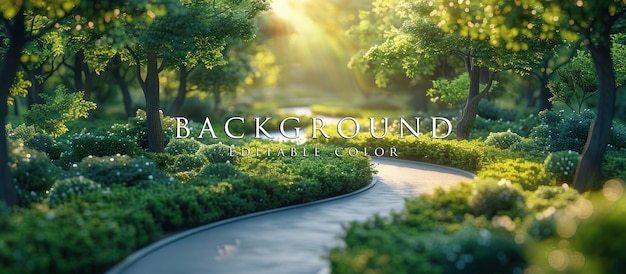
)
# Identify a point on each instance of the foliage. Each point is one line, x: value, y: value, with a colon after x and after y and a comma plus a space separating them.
x: 138, y: 130
x: 116, y: 169
x: 575, y: 82
x: 182, y: 146
x: 579, y: 230
x: 189, y: 162
x: 614, y: 165
x: 65, y: 190
x: 215, y: 172
x: 562, y: 165
x: 22, y: 132
x: 522, y: 126
x: 560, y: 131
x: 61, y: 107
x: 137, y: 210
x: 453, y: 92
x: 529, y: 175
x: 217, y: 153
x: 530, y: 148
x: 33, y: 172
x: 95, y: 144
x: 46, y: 143
x: 503, y: 140
x: 450, y: 231
x: 489, y: 110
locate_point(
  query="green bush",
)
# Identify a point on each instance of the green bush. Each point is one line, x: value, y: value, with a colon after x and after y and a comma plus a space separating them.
x: 522, y: 126
x: 189, y: 162
x: 490, y: 198
x: 138, y: 130
x: 559, y: 131
x: 473, y: 227
x: 529, y: 175
x: 60, y: 108
x: 182, y: 146
x: 33, y: 172
x: 529, y: 148
x: 120, y: 169
x: 213, y: 173
x: 588, y: 235
x: 503, y: 140
x: 40, y: 240
x: 22, y: 132
x: 217, y: 153
x: 95, y: 144
x: 67, y: 189
x: 489, y: 110
x: 99, y: 228
x: 614, y: 164
x: 561, y: 165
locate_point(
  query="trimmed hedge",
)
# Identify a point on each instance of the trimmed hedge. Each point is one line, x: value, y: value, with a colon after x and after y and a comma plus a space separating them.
x: 122, y: 204
x: 474, y: 227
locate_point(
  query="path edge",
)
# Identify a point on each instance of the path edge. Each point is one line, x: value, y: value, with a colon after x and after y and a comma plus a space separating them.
x: 131, y: 259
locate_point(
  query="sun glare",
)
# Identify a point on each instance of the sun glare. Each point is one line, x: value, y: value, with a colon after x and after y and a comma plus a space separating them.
x: 312, y: 39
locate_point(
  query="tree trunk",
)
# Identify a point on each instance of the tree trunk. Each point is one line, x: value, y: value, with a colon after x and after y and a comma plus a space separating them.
x: 464, y: 127
x: 151, y: 94
x: 180, y: 94
x: 36, y: 88
x: 78, y: 71
x: 8, y: 70
x: 116, y: 71
x: 217, y: 98
x: 589, y: 170
x: 545, y: 95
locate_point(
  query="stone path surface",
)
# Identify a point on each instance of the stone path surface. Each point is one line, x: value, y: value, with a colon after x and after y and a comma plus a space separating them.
x: 291, y: 241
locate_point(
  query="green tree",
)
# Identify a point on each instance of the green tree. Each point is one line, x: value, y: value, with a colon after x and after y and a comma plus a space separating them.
x: 593, y: 22
x: 420, y: 43
x: 24, y: 22
x: 186, y: 34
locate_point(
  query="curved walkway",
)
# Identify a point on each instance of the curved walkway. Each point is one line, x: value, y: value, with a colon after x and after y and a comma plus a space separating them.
x: 289, y: 241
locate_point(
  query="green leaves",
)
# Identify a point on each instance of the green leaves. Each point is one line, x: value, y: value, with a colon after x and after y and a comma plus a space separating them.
x: 61, y: 107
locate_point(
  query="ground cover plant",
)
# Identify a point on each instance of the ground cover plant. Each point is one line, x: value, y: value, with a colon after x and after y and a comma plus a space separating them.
x: 519, y: 214
x: 105, y: 196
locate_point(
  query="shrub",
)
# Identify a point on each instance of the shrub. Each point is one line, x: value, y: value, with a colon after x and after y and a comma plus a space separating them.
x: 95, y: 144
x: 33, y: 172
x: 215, y: 172
x: 503, y: 140
x: 46, y: 143
x: 490, y: 198
x: 614, y: 164
x: 562, y: 165
x: 580, y: 230
x: 529, y: 175
x: 189, y: 162
x: 67, y: 189
x: 22, y: 132
x: 40, y: 240
x: 529, y: 148
x: 182, y: 146
x: 489, y: 110
x: 559, y: 131
x: 138, y: 128
x: 217, y: 153
x: 115, y: 169
x: 61, y: 107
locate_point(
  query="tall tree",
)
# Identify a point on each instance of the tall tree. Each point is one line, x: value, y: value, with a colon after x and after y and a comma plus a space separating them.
x: 593, y: 22
x: 419, y: 45
x: 186, y: 34
x: 24, y: 22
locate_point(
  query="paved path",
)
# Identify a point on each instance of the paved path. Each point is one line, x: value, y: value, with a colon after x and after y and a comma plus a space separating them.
x: 290, y: 241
